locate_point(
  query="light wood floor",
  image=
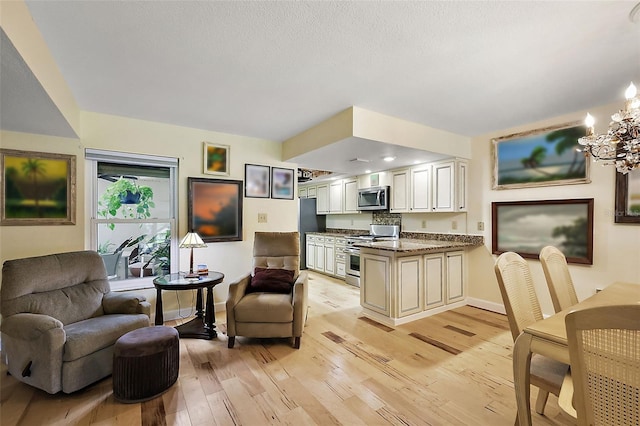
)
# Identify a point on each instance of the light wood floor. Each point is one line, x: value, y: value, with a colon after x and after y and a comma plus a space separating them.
x: 450, y: 369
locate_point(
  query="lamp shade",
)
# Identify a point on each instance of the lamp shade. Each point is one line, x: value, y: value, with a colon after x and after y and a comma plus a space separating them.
x: 192, y: 240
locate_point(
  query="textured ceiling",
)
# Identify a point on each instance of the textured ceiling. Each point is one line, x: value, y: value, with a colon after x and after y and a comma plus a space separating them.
x: 274, y: 69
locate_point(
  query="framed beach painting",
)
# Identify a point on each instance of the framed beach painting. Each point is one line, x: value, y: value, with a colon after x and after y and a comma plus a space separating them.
x: 541, y: 157
x: 525, y: 227
x: 628, y: 197
x: 216, y: 159
x: 38, y: 188
x: 215, y: 209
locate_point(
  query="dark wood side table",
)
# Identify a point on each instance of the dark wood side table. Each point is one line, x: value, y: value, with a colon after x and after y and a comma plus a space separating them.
x: 203, y: 325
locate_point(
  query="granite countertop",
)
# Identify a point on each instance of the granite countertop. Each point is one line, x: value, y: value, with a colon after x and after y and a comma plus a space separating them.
x: 412, y: 242
x: 405, y: 245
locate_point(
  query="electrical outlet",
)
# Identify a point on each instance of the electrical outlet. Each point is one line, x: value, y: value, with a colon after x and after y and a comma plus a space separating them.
x: 262, y: 218
x: 424, y: 223
x: 454, y: 224
x: 480, y: 226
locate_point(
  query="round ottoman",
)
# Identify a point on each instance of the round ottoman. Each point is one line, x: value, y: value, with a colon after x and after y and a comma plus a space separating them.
x: 145, y: 363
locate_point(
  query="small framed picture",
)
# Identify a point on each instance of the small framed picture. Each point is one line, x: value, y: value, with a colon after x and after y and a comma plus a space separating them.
x: 282, y: 183
x: 216, y: 159
x: 256, y: 181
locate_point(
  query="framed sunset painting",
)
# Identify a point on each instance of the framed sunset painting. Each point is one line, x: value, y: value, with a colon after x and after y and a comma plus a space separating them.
x: 215, y: 209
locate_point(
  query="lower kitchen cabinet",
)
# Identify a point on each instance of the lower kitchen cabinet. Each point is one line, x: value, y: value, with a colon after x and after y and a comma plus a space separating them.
x: 404, y: 288
x: 326, y: 254
x: 455, y: 276
x: 434, y: 274
x: 376, y: 270
x: 410, y: 289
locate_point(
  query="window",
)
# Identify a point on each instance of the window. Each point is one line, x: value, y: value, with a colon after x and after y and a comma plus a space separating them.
x: 133, y: 220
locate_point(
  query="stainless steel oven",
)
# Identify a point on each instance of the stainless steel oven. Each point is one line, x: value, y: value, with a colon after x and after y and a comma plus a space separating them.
x: 352, y: 267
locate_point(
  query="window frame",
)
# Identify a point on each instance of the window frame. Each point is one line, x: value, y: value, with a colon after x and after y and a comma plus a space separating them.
x: 93, y: 157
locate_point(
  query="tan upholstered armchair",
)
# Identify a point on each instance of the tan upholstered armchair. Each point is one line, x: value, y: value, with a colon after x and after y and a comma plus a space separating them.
x: 255, y: 310
x: 60, y: 320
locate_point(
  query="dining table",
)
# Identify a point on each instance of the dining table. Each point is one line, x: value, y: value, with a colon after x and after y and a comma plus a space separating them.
x: 548, y: 337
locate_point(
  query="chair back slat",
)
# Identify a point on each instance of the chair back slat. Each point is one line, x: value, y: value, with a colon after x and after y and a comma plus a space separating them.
x: 556, y: 273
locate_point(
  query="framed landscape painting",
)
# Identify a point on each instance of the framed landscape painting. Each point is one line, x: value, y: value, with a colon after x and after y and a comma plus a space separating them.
x: 541, y: 157
x: 38, y: 188
x: 525, y: 227
x: 215, y: 209
x: 628, y: 197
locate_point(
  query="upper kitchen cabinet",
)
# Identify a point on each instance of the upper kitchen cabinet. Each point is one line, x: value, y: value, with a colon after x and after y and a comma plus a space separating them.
x: 400, y: 191
x: 430, y: 187
x: 322, y: 199
x: 350, y: 191
x: 335, y: 196
x: 449, y: 186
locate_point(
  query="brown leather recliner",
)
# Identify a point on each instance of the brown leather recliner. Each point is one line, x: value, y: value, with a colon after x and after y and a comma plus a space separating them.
x: 265, y: 313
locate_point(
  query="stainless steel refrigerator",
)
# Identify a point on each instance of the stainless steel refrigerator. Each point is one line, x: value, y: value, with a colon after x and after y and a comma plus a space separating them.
x: 308, y: 221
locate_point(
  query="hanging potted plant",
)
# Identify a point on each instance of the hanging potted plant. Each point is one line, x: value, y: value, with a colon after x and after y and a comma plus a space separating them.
x: 127, y: 197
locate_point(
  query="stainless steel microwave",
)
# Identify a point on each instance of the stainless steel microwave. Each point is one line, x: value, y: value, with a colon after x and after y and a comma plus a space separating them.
x: 374, y: 198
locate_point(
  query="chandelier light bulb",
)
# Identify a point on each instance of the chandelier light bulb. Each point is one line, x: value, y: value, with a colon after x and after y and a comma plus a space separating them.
x: 631, y: 92
x: 589, y: 121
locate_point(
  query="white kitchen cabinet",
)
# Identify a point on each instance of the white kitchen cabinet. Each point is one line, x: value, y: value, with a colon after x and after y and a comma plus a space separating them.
x: 310, y: 252
x: 340, y: 257
x: 421, y: 188
x: 335, y: 197
x: 320, y: 255
x: 329, y: 255
x: 455, y: 276
x: 410, y: 286
x: 350, y: 190
x: 462, y: 181
x: 434, y: 278
x: 303, y: 192
x: 443, y: 187
x: 400, y: 191
x: 322, y: 199
x: 450, y: 185
x: 311, y: 191
x: 376, y: 272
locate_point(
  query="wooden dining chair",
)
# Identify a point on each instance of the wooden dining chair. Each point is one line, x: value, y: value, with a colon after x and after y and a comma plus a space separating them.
x: 522, y: 306
x: 556, y: 273
x: 604, y: 348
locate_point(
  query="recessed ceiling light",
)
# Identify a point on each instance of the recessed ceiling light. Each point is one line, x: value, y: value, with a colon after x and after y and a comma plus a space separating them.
x: 389, y: 158
x: 367, y: 171
x: 417, y: 162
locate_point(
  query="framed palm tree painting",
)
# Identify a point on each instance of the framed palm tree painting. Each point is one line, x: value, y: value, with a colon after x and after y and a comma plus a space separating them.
x: 541, y: 157
x: 38, y: 188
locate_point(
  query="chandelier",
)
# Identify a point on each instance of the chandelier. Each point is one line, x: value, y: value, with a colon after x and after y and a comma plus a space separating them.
x: 620, y: 146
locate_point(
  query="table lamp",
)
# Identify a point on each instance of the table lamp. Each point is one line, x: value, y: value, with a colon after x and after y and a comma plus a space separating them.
x: 192, y: 240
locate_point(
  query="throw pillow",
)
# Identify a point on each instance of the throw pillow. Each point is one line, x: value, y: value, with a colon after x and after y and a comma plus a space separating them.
x: 271, y: 280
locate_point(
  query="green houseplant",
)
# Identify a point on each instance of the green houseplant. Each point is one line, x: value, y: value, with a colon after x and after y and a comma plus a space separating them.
x: 127, y: 197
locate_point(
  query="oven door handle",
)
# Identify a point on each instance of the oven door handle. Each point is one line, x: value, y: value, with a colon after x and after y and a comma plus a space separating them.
x: 352, y: 250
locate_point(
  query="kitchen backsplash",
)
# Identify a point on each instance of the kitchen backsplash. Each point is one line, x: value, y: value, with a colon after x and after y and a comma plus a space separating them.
x: 386, y: 218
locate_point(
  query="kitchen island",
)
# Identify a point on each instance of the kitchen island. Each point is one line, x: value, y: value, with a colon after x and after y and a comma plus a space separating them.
x: 411, y: 278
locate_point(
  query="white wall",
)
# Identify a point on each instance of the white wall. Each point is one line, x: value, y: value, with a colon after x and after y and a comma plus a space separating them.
x: 616, y: 254
x: 101, y: 131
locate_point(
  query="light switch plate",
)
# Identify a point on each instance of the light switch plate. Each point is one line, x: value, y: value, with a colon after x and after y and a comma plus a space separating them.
x: 262, y: 218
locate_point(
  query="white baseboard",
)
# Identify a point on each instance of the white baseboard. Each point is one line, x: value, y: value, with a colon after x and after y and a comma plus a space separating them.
x: 484, y: 304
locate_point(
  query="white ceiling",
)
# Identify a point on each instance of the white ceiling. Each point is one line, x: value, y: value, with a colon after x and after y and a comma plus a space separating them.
x: 273, y: 69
